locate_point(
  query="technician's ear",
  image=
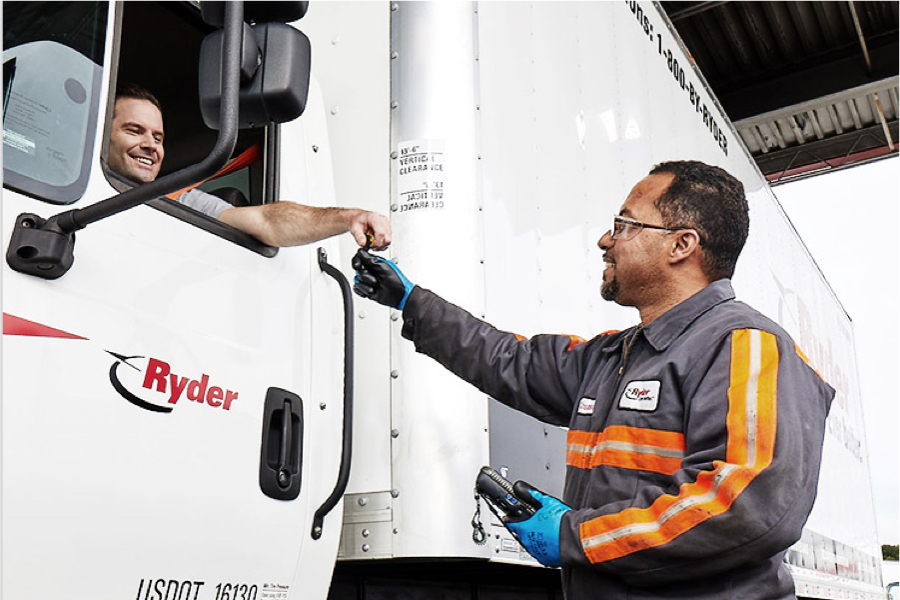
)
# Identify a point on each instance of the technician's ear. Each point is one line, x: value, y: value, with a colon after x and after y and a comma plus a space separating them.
x: 685, y: 244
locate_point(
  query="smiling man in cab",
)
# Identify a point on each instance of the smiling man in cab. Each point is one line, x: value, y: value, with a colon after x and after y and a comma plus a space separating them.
x: 136, y: 153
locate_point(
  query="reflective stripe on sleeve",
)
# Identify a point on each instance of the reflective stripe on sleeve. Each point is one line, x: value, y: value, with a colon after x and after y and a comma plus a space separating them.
x: 751, y: 421
x: 627, y: 448
x: 805, y: 359
x: 574, y: 340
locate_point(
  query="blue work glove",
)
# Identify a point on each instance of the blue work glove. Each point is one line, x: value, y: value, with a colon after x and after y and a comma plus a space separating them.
x: 380, y: 280
x: 539, y: 534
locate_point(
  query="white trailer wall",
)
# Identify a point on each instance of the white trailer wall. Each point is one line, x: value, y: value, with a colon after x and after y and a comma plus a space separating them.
x: 535, y: 119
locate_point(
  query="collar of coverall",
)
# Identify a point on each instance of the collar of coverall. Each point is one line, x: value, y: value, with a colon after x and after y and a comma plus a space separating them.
x: 671, y: 324
x: 666, y: 328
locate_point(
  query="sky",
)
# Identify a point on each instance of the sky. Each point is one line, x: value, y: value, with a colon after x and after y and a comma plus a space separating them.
x: 850, y: 221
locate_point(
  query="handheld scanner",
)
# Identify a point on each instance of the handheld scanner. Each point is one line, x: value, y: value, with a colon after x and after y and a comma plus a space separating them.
x: 511, y: 504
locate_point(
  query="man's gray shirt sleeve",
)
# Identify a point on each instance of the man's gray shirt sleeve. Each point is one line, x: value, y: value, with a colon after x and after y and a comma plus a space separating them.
x: 197, y: 199
x: 208, y: 204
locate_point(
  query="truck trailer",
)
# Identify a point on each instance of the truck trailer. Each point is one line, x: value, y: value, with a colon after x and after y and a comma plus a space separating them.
x: 189, y: 414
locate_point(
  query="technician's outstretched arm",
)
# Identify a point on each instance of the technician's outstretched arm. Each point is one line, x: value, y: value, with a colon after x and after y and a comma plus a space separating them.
x: 290, y: 224
x: 538, y: 376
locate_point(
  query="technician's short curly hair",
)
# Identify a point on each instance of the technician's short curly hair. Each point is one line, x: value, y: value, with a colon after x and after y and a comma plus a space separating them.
x: 712, y: 201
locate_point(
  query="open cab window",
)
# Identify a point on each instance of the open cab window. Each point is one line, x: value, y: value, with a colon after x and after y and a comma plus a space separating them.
x: 52, y: 74
x: 53, y: 78
x: 159, y: 50
x: 53, y: 69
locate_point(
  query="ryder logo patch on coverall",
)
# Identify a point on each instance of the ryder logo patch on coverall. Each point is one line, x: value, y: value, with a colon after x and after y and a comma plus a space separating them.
x: 640, y: 395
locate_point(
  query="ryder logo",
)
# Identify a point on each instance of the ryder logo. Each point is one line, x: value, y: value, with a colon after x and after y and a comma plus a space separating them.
x: 640, y: 395
x: 154, y: 385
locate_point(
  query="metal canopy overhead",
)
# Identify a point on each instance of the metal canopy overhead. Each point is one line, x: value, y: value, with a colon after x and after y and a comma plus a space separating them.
x: 810, y: 86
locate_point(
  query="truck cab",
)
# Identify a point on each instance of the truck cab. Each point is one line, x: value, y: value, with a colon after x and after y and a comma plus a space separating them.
x: 173, y: 401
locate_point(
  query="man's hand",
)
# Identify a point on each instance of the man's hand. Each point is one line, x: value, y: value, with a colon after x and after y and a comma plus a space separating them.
x: 540, y: 533
x: 374, y: 224
x: 380, y: 280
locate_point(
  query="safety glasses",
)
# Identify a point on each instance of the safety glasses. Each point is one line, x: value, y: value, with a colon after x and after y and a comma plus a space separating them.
x: 625, y: 229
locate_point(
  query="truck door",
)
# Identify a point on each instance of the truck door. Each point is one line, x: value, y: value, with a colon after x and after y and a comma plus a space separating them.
x: 172, y: 405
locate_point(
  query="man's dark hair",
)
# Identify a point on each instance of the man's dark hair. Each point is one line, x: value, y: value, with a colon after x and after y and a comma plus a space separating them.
x: 712, y: 201
x: 133, y: 90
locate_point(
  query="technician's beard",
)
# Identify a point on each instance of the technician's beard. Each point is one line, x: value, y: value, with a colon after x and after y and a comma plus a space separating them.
x: 610, y: 291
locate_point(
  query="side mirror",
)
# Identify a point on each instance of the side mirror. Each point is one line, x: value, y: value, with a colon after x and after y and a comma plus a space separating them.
x: 276, y: 89
x: 213, y: 13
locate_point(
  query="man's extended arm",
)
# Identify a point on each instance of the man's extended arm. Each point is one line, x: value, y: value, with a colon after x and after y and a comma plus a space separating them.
x: 289, y: 224
x: 537, y: 376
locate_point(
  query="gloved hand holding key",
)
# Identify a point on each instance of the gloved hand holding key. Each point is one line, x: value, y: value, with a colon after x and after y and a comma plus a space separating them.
x: 380, y: 280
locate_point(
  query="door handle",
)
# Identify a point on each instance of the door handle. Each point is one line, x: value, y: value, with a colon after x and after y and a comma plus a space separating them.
x: 282, y: 445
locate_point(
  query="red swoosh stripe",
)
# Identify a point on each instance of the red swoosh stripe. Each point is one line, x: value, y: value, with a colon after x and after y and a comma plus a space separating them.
x: 18, y: 326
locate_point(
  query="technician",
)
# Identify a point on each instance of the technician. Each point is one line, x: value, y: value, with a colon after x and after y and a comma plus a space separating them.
x: 136, y: 152
x: 695, y: 437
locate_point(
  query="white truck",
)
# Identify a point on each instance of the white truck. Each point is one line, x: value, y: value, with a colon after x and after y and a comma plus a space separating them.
x: 191, y: 415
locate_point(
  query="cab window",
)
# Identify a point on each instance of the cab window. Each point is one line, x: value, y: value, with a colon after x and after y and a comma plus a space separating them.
x: 159, y: 50
x: 52, y: 73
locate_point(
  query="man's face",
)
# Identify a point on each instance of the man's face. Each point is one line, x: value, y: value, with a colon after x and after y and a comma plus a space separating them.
x: 136, y: 141
x: 635, y: 267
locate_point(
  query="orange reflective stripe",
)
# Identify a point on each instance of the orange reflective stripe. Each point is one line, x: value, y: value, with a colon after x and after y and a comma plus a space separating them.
x: 751, y: 423
x: 627, y: 448
x: 767, y: 406
x: 801, y: 353
x: 648, y: 437
x: 639, y: 461
x: 636, y: 435
x: 736, y: 419
x: 805, y: 359
x: 574, y: 340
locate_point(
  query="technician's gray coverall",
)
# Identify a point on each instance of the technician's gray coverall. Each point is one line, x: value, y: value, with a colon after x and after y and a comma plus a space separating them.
x: 693, y: 448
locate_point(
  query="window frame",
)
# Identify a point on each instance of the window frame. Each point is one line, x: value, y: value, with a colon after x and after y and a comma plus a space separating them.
x: 258, y: 173
x: 71, y: 193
